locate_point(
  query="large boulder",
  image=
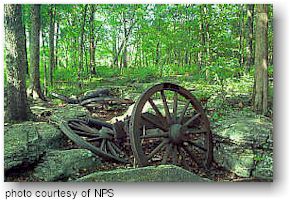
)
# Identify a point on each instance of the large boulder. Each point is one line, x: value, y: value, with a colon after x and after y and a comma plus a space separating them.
x: 64, y: 164
x: 162, y: 173
x: 24, y: 143
x: 244, y: 145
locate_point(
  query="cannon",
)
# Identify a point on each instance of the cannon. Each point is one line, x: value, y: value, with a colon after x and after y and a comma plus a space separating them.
x: 167, y: 126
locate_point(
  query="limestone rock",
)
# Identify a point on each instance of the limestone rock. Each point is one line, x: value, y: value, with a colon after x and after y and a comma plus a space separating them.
x: 162, y: 173
x: 24, y: 143
x: 68, y: 112
x: 244, y: 145
x: 63, y: 164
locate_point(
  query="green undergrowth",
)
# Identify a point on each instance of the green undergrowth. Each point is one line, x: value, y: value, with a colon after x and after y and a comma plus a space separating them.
x: 219, y: 93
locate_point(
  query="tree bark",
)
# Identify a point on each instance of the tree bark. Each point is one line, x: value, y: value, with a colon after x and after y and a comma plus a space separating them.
x: 35, y: 48
x: 57, y: 43
x: 25, y: 47
x: 51, y: 43
x: 81, y: 47
x: 92, y: 42
x: 44, y: 65
x: 124, y: 55
x: 250, y: 57
x: 241, y: 36
x: 16, y: 64
x: 202, y: 51
x: 261, y: 60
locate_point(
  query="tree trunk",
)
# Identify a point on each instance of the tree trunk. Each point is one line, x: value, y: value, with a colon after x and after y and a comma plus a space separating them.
x: 44, y: 65
x: 124, y: 55
x: 261, y: 60
x: 92, y: 42
x: 57, y: 42
x: 51, y: 43
x: 241, y: 37
x: 202, y: 51
x: 80, y: 69
x: 157, y: 54
x: 25, y: 47
x: 16, y: 64
x: 250, y: 57
x: 34, y: 52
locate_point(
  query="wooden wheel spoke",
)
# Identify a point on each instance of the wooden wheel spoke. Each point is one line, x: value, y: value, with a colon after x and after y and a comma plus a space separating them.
x: 167, y: 153
x: 94, y: 139
x: 102, y: 146
x: 84, y: 134
x: 197, y: 146
x: 111, y: 149
x: 81, y: 127
x: 190, y: 153
x: 117, y: 149
x: 175, y: 107
x: 75, y: 126
x: 154, y: 133
x: 196, y: 131
x: 156, y: 109
x: 157, y: 149
x: 88, y: 128
x: 166, y: 108
x: 158, y: 125
x: 191, y: 120
x: 175, y: 156
x: 183, y: 112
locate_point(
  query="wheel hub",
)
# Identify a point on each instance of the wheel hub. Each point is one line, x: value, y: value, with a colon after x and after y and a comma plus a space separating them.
x: 176, y: 133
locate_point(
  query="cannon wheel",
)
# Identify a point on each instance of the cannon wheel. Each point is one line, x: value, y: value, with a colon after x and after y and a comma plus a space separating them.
x: 177, y: 131
x: 96, y: 136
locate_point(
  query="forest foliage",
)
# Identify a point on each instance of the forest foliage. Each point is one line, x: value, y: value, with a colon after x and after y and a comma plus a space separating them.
x: 81, y: 45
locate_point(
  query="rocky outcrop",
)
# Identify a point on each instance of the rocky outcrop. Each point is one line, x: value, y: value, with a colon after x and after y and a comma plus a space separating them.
x: 162, y: 173
x: 24, y: 143
x: 65, y: 164
x: 244, y: 145
x: 68, y: 112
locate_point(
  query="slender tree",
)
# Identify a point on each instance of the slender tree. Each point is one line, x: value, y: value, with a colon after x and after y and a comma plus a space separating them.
x: 241, y: 36
x: 51, y: 43
x: 250, y: 52
x: 261, y: 60
x: 202, y: 51
x: 35, y: 51
x: 81, y: 46
x: 92, y: 42
x: 57, y: 43
x: 124, y: 55
x: 44, y: 60
x: 16, y: 64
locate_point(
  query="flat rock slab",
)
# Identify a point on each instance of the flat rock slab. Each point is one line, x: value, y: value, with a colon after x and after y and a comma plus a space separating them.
x: 247, y: 131
x: 26, y: 142
x: 244, y: 145
x: 65, y: 164
x: 68, y: 112
x: 162, y: 173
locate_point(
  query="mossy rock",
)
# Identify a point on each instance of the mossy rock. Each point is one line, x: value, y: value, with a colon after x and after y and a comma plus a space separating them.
x: 242, y: 130
x: 243, y: 145
x: 162, y: 173
x: 264, y: 165
x: 235, y: 158
x: 24, y: 143
x: 64, y: 164
x: 68, y: 112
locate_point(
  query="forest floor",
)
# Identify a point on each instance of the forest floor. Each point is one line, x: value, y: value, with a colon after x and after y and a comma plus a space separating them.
x: 217, y: 100
x: 216, y: 97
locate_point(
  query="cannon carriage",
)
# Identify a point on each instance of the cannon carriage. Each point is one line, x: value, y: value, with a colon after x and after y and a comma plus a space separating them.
x: 167, y: 126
